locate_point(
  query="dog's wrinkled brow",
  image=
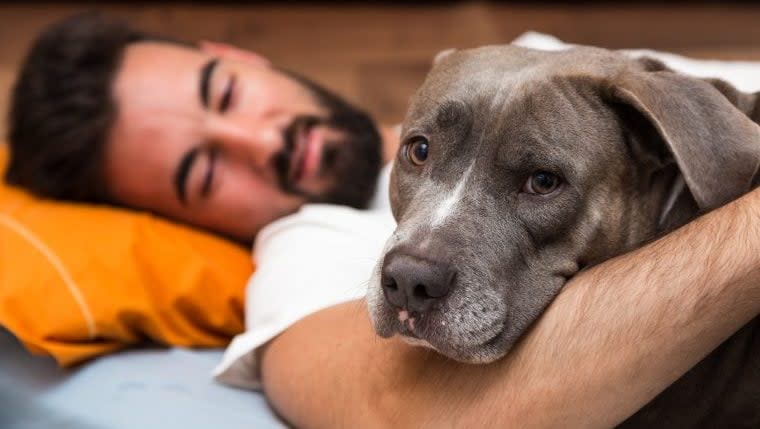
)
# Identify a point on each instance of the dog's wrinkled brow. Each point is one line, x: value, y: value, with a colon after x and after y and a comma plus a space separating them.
x: 451, y: 113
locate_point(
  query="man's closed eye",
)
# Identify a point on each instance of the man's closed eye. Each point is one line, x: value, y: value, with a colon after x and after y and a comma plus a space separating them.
x: 227, y: 94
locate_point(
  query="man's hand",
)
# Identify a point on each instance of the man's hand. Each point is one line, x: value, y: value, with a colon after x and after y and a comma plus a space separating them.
x: 616, y: 336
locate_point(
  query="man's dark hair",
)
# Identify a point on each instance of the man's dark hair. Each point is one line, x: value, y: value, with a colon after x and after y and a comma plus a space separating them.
x: 62, y: 108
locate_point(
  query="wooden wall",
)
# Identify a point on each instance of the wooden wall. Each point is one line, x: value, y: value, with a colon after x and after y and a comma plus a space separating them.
x: 377, y: 54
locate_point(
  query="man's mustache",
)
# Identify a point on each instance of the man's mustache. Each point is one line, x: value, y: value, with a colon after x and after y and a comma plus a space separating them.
x: 282, y: 161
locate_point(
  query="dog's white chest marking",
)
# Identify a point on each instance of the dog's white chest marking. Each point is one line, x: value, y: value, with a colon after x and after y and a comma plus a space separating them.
x: 446, y: 207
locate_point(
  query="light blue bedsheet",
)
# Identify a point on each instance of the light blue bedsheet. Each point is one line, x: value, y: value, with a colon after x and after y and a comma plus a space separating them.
x: 137, y: 389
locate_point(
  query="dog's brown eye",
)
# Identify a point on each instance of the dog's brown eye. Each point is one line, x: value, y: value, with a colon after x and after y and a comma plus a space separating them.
x: 541, y: 183
x: 417, y: 150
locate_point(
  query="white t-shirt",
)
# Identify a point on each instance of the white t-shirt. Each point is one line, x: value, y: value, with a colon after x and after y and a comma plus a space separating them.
x: 321, y: 256
x: 324, y: 254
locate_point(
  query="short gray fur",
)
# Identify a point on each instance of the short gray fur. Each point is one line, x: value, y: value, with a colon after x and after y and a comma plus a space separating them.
x: 621, y: 133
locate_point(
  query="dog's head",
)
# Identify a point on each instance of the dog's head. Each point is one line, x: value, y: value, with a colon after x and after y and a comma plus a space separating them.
x: 517, y: 168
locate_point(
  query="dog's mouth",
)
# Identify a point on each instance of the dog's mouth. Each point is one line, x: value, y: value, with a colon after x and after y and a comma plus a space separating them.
x: 430, y: 330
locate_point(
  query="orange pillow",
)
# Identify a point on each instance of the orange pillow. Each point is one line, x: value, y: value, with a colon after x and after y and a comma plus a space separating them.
x: 78, y: 281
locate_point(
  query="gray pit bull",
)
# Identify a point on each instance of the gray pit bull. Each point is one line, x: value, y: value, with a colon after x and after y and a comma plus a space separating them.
x: 518, y: 168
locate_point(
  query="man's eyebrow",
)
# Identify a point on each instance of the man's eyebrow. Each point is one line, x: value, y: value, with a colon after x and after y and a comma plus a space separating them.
x: 183, y: 170
x: 205, y: 80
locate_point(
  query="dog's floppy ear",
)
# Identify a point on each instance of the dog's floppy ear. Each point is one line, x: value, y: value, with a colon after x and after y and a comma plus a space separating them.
x: 716, y: 146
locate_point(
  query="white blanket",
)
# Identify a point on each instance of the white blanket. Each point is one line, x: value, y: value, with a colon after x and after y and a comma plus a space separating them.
x: 324, y: 255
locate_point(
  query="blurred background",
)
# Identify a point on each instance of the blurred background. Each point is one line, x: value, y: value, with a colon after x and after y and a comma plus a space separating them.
x: 377, y: 53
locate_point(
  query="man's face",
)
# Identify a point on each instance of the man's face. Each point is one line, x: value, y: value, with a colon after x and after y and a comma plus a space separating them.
x: 220, y: 139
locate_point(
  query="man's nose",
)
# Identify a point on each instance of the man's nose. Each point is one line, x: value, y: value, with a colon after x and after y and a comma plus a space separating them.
x: 257, y: 145
x: 414, y: 283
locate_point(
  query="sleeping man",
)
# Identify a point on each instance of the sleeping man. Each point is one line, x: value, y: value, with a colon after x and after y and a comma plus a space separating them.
x: 221, y: 139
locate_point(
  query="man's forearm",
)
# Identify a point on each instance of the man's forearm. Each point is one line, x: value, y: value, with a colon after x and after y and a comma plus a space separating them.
x: 615, y: 337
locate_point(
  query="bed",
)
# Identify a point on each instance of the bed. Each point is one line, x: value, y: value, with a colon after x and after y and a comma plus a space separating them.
x: 144, y: 388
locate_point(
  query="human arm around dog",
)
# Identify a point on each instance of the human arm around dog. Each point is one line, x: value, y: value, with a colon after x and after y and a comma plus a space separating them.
x: 616, y: 336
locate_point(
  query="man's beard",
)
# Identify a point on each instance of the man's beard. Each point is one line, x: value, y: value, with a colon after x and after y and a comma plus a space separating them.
x: 351, y: 163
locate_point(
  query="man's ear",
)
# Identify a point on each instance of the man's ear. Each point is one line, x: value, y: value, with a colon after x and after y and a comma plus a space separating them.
x: 230, y: 52
x: 716, y: 146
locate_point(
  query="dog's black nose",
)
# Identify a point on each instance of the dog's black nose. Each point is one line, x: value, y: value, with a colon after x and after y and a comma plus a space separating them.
x: 414, y: 283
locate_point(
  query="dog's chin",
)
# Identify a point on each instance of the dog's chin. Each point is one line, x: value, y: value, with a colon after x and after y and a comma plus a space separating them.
x: 474, y: 354
x: 413, y: 340
x: 425, y: 335
x: 489, y: 351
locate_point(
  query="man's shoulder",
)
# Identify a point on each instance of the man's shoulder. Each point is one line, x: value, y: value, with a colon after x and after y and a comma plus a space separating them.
x: 317, y: 225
